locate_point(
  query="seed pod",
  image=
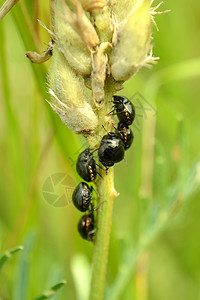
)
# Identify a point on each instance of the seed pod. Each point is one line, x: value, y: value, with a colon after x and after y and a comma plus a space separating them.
x: 92, y: 5
x: 69, y: 41
x: 121, y: 8
x: 131, y: 50
x: 69, y: 97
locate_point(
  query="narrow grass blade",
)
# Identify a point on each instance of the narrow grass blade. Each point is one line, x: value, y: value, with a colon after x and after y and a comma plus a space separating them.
x: 192, y: 182
x: 53, y: 290
x: 161, y: 174
x: 8, y: 255
x: 182, y: 146
x: 12, y: 124
x: 6, y: 7
x: 21, y: 281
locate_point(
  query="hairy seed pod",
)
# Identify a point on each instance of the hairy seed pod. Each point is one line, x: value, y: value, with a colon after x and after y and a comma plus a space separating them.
x: 121, y: 8
x: 133, y: 44
x: 69, y: 97
x: 69, y: 41
x: 92, y: 5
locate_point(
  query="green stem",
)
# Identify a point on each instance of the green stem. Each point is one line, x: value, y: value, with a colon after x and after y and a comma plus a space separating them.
x: 107, y: 193
x: 104, y: 220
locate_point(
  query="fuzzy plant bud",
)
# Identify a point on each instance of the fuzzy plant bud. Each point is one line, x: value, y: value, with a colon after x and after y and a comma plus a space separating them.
x: 131, y: 50
x: 70, y: 99
x: 98, y: 52
x: 69, y: 41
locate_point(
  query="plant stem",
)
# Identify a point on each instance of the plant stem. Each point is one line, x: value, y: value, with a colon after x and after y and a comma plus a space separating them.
x: 104, y: 220
x: 107, y: 193
x: 6, y: 7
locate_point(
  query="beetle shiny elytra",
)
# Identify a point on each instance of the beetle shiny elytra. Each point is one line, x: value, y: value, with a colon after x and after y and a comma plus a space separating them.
x: 124, y: 110
x: 126, y: 135
x: 86, y: 226
x: 111, y: 149
x: 86, y: 166
x: 82, y: 196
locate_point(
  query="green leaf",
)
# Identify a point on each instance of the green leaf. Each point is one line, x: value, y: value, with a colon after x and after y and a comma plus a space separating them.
x: 8, y: 254
x: 192, y: 181
x: 53, y: 290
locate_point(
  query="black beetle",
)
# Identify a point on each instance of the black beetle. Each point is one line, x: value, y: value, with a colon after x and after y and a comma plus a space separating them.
x: 86, y: 226
x: 124, y: 110
x: 86, y: 166
x: 111, y: 149
x: 126, y: 135
x: 82, y: 196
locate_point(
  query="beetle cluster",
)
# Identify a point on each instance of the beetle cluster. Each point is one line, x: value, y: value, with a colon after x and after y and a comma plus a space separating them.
x: 111, y: 150
x: 81, y: 198
x: 113, y: 145
x: 82, y: 195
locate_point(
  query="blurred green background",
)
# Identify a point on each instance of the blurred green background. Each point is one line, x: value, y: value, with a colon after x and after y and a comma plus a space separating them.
x: 158, y: 185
